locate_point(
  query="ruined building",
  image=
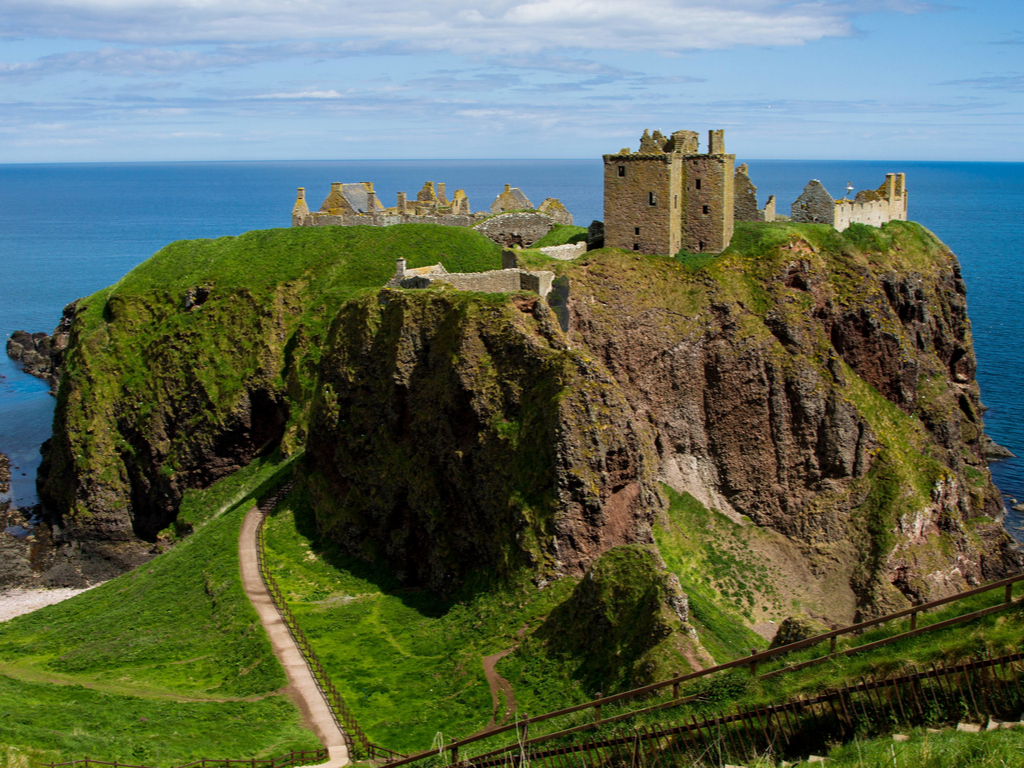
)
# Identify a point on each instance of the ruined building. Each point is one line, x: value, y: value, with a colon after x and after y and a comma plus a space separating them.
x: 511, y: 220
x: 668, y: 196
x: 869, y: 206
x: 745, y: 199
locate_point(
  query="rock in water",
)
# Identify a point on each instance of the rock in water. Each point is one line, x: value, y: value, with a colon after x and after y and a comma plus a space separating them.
x: 5, y: 474
x: 994, y: 450
x: 41, y: 355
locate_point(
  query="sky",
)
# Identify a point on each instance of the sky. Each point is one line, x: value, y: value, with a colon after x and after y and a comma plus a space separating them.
x: 157, y: 80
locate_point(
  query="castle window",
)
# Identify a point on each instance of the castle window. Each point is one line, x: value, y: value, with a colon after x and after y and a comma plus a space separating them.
x: 652, y: 198
x: 636, y: 230
x: 697, y: 184
x: 636, y: 246
x: 706, y: 210
x: 700, y: 245
x: 622, y: 170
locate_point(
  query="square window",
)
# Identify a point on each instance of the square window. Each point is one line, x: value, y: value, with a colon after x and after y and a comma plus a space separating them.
x: 707, y: 210
x: 697, y: 186
x: 636, y: 230
x: 636, y: 246
x: 622, y: 170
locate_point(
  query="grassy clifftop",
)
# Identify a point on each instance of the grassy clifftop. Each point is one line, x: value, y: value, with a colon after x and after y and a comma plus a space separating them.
x: 206, y: 355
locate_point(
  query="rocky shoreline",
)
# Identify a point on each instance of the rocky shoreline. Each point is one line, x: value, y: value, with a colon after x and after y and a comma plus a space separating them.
x: 41, y: 354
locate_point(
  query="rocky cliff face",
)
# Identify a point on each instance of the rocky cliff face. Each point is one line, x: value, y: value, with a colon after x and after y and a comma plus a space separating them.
x: 454, y: 432
x: 816, y: 386
x: 821, y: 385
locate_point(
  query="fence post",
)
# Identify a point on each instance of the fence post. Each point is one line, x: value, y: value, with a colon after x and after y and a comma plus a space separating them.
x: 913, y: 621
x: 753, y: 664
x: 675, y: 686
x: 832, y: 641
x: 597, y: 708
x: 455, y: 751
x: 1008, y: 598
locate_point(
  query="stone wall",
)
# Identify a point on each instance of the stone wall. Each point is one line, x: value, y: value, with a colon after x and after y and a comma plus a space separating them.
x: 815, y: 205
x: 668, y: 197
x: 709, y: 213
x: 493, y: 281
x: 566, y: 252
x: 872, y: 206
x: 318, y: 219
x: 744, y: 196
x: 553, y: 207
x: 349, y: 205
x: 509, y: 229
x: 638, y: 202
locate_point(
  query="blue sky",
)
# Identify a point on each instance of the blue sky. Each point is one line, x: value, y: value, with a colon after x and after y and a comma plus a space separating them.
x: 129, y: 80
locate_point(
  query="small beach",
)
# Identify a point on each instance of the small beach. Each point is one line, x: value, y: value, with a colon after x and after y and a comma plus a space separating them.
x: 15, y: 602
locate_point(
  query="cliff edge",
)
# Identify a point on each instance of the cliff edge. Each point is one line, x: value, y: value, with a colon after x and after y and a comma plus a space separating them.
x: 813, y: 389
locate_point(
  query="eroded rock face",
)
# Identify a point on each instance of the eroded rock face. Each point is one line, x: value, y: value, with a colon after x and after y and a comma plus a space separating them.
x: 455, y: 433
x: 149, y: 421
x: 812, y: 413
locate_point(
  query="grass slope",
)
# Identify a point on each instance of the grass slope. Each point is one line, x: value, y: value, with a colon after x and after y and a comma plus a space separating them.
x: 408, y: 663
x: 163, y: 665
x: 166, y: 355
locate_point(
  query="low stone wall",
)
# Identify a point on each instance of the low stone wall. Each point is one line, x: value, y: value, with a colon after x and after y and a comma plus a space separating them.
x: 494, y: 281
x: 386, y: 219
x: 566, y: 252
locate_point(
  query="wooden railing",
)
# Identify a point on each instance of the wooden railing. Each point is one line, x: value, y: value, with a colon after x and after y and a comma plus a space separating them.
x: 343, y: 716
x: 291, y: 760
x: 751, y: 662
x: 976, y: 690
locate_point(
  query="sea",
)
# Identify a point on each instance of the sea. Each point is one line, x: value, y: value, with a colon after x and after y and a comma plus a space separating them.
x: 68, y: 230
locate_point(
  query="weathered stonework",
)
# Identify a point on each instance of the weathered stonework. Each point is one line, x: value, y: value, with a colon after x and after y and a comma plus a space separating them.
x: 668, y: 197
x: 507, y: 280
x: 870, y: 206
x: 745, y: 199
x: 357, y: 204
x: 521, y: 228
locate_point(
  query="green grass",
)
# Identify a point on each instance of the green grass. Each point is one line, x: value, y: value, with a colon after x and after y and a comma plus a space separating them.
x: 167, y: 663
x: 998, y: 749
x: 562, y: 234
x: 408, y: 662
x: 708, y: 553
x: 142, y: 361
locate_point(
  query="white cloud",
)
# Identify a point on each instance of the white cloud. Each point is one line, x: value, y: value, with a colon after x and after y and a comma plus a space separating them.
x: 456, y: 26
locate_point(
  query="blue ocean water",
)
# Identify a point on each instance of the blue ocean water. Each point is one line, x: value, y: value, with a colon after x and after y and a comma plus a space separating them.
x: 69, y: 230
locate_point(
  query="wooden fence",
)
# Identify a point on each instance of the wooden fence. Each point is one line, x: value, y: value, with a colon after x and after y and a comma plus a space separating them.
x: 974, y: 690
x: 291, y: 760
x: 751, y: 662
x: 339, y: 709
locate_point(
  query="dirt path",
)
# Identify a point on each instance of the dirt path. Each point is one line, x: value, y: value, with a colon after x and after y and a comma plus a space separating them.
x: 501, y: 690
x: 301, y: 686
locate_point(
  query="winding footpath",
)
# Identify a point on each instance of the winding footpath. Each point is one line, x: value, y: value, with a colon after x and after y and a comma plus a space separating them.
x: 302, y: 686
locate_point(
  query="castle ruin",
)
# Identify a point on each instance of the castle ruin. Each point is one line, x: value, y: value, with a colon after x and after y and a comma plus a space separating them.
x: 668, y: 196
x: 511, y: 220
x: 869, y: 206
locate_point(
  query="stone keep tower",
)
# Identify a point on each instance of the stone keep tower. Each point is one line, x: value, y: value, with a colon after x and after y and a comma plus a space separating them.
x: 668, y: 197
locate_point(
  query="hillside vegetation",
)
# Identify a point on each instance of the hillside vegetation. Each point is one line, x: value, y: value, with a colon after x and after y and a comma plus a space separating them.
x: 717, y: 443
x: 161, y: 666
